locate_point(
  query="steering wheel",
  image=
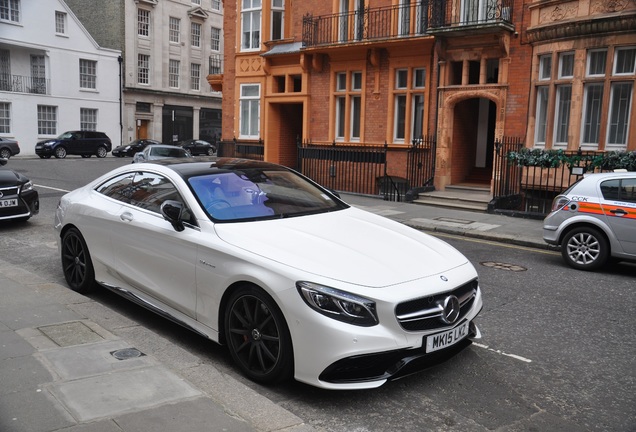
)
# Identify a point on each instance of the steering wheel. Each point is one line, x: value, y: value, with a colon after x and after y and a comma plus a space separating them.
x: 217, y: 204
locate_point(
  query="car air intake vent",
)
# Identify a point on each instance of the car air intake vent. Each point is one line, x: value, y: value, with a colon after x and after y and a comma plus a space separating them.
x: 9, y: 191
x: 426, y: 313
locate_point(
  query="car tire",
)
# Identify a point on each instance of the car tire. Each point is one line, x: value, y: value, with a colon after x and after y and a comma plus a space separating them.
x: 585, y: 248
x: 257, y: 336
x: 5, y: 153
x: 101, y: 152
x: 60, y: 152
x: 211, y: 151
x: 76, y: 262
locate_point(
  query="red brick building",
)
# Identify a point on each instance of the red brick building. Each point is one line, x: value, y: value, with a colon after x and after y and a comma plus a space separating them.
x: 557, y: 73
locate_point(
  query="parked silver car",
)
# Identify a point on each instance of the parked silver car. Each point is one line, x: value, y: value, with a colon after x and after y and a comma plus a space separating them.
x: 160, y: 151
x: 595, y: 219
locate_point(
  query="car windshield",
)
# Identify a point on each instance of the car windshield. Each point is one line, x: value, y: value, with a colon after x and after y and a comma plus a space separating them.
x: 250, y: 194
x: 168, y: 152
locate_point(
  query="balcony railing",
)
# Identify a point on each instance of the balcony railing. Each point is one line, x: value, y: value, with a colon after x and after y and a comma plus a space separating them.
x: 216, y: 64
x: 418, y: 18
x: 24, y: 84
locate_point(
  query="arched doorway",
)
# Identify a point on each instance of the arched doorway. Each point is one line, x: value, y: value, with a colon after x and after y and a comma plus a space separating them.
x: 472, y: 141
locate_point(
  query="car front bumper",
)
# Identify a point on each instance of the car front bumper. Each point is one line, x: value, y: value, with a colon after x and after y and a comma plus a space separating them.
x: 28, y: 205
x: 335, y: 355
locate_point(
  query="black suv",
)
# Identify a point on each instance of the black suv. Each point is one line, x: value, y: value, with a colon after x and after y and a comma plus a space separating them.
x: 84, y: 143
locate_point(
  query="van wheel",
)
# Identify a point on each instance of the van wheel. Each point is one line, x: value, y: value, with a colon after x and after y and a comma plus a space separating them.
x: 60, y: 152
x: 585, y: 248
x: 101, y: 152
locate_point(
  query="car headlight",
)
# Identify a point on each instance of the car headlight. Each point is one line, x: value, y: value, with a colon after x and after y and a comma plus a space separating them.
x: 339, y: 305
x: 26, y: 187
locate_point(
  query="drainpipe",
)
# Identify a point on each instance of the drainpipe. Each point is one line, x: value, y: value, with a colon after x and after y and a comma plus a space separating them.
x: 121, y: 122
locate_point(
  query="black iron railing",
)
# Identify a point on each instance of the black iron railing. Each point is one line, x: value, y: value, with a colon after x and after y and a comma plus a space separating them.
x: 216, y: 64
x: 24, y: 84
x: 414, y: 19
x: 529, y: 187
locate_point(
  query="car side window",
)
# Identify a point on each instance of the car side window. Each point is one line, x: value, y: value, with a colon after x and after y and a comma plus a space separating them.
x: 119, y: 187
x: 150, y: 190
x: 610, y: 189
x: 619, y: 190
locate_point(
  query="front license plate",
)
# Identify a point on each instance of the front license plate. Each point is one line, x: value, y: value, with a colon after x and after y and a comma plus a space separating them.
x: 9, y: 203
x: 445, y: 339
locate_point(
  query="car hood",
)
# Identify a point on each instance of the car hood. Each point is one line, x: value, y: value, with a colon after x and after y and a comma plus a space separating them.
x: 352, y: 246
x: 11, y: 178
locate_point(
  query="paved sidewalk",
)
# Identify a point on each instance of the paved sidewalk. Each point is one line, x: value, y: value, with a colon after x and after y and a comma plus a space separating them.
x: 514, y: 230
x: 60, y: 371
x: 68, y: 363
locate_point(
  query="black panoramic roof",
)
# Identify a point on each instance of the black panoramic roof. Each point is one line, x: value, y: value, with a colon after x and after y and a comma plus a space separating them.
x: 187, y: 167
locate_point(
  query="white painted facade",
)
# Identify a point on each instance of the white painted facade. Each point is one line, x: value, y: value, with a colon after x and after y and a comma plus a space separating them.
x: 34, y: 34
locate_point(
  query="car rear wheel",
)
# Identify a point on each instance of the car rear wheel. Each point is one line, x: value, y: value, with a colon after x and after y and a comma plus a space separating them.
x: 257, y: 336
x: 101, y: 152
x: 76, y: 262
x: 211, y: 151
x: 5, y: 153
x: 60, y: 152
x: 585, y: 248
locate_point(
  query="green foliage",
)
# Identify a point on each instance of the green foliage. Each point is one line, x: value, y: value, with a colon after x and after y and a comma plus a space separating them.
x: 605, y: 161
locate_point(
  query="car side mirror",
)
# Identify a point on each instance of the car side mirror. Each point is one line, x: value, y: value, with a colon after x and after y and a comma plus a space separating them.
x: 172, y: 211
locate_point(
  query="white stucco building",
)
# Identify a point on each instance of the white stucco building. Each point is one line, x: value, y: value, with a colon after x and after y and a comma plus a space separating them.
x: 54, y: 76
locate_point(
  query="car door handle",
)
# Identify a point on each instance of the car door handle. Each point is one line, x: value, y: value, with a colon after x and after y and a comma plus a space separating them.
x: 126, y: 217
x: 618, y: 212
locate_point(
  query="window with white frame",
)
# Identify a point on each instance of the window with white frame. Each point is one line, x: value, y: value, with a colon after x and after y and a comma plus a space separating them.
x: 215, y: 39
x: 250, y: 110
x: 348, y: 105
x: 174, y: 32
x: 620, y: 104
x: 5, y: 117
x: 596, y: 61
x: 143, y: 68
x: 545, y: 67
x: 408, y: 109
x: 88, y: 74
x: 195, y: 76
x: 143, y: 22
x: 562, y: 121
x: 10, y: 10
x: 592, y: 106
x: 216, y: 4
x: 196, y: 2
x: 251, y: 25
x: 173, y: 73
x: 47, y: 120
x: 88, y: 119
x: 195, y: 34
x: 60, y: 22
x: 541, y: 116
x: 278, y: 19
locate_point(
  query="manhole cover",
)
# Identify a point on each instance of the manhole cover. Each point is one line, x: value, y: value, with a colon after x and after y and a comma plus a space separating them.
x: 127, y: 353
x: 503, y: 266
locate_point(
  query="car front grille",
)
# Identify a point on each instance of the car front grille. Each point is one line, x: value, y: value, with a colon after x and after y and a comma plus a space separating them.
x: 425, y: 313
x: 9, y: 192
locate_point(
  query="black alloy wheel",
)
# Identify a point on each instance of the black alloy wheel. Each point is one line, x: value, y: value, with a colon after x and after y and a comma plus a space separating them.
x: 585, y: 248
x: 211, y: 151
x: 257, y: 336
x: 76, y: 262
